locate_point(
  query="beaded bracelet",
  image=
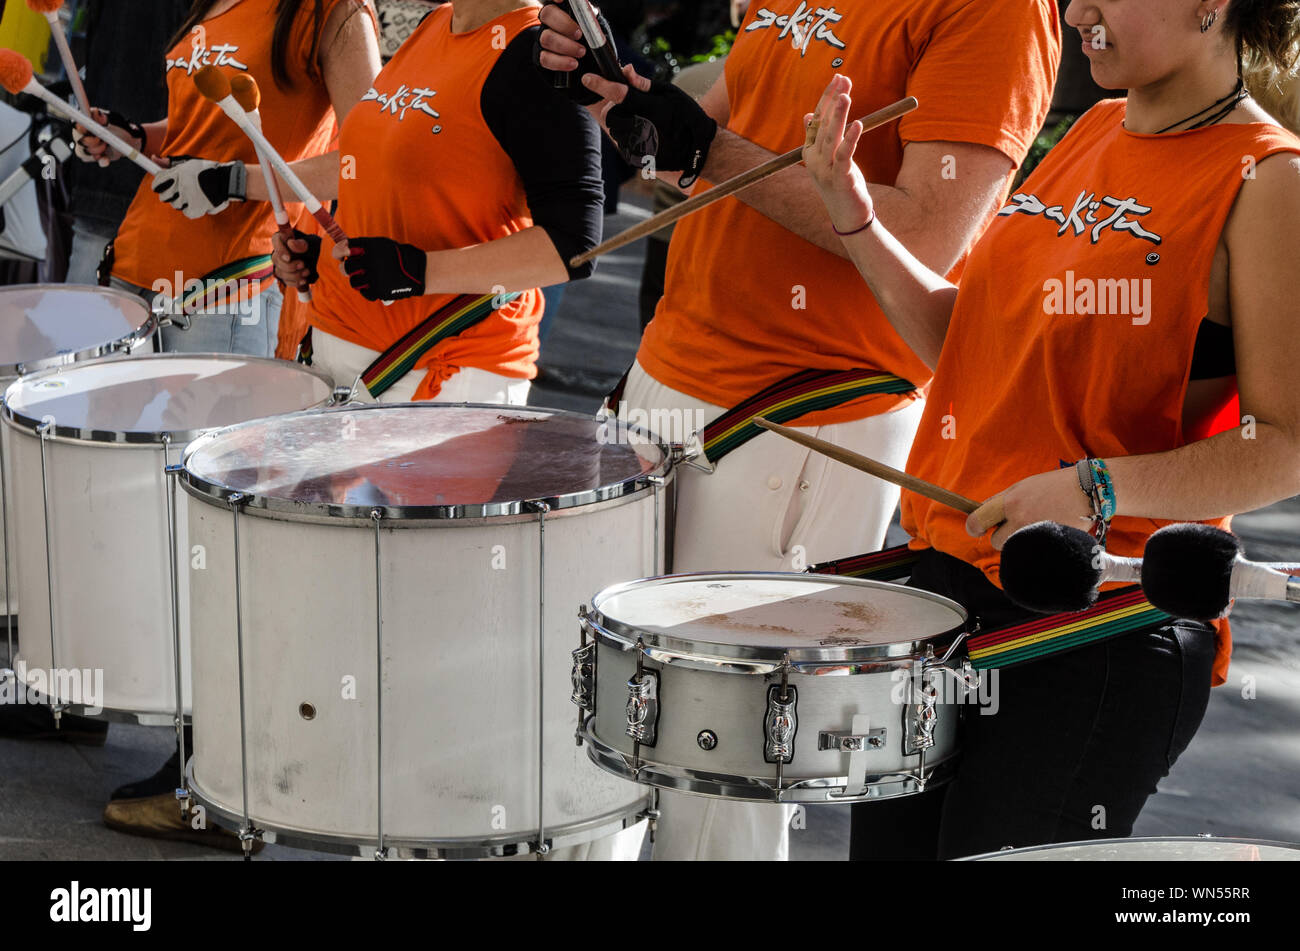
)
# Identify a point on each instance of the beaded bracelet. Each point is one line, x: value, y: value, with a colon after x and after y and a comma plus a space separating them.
x: 1095, y: 481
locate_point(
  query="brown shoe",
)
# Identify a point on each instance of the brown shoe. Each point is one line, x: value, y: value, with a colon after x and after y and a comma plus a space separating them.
x: 159, y: 817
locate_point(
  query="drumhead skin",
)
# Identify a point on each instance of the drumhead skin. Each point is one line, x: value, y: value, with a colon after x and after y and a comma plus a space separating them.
x: 1162, y: 849
x: 49, y: 325
x: 716, y: 621
x: 170, y: 397
x: 422, y: 461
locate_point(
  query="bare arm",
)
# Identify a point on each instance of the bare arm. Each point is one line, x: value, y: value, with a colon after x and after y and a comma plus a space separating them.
x: 349, y: 58
x: 917, y: 300
x: 516, y: 262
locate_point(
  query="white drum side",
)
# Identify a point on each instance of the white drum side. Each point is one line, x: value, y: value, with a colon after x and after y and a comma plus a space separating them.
x: 112, y: 601
x: 460, y: 675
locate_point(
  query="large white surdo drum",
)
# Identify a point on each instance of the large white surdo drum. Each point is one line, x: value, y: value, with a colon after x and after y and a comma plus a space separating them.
x: 383, y: 623
x: 89, y: 448
x: 772, y: 687
x: 51, y: 325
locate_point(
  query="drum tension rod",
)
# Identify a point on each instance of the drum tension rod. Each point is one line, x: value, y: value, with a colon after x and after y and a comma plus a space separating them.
x: 784, y: 698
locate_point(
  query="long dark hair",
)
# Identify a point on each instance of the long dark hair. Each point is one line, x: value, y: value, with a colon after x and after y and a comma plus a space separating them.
x: 285, y: 13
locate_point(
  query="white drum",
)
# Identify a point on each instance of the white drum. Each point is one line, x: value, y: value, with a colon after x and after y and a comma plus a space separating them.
x: 438, y: 550
x: 49, y: 325
x: 89, y: 448
x: 1156, y: 849
x: 772, y: 687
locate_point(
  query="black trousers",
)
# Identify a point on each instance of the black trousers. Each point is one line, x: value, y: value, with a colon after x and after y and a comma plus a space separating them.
x: 1069, y: 747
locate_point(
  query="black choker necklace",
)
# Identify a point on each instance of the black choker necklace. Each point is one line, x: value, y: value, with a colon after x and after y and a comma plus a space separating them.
x: 1220, y: 109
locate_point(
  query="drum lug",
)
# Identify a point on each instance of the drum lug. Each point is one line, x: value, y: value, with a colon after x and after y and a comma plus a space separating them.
x: 922, y: 714
x: 781, y: 723
x: 643, y: 707
x: 851, y: 742
x: 584, y: 677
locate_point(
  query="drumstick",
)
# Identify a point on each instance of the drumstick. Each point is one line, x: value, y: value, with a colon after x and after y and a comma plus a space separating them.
x: 244, y: 88
x: 878, y: 469
x: 730, y: 187
x: 16, y: 77
x: 50, y: 9
x: 214, y: 85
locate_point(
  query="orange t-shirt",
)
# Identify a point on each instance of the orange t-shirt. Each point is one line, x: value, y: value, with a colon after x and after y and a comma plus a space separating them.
x: 422, y: 166
x: 727, y: 326
x: 155, y: 241
x: 1074, y: 326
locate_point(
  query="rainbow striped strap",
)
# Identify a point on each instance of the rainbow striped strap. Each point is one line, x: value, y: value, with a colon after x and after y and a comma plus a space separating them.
x: 456, y: 317
x: 1116, y: 612
x: 805, y: 392
x: 887, y: 565
x: 257, y: 268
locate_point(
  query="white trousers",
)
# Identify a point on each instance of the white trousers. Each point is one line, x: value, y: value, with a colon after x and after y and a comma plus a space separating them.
x: 771, y: 505
x: 344, y: 362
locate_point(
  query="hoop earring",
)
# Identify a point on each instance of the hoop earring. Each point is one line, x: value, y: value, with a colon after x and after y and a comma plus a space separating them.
x: 1208, y: 21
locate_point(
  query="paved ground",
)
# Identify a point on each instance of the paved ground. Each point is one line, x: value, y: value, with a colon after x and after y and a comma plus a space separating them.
x: 1240, y: 777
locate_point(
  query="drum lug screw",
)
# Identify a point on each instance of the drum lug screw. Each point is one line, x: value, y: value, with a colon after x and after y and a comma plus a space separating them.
x: 707, y: 740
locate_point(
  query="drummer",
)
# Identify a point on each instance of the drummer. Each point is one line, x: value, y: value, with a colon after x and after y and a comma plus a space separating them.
x: 209, y: 251
x: 312, y: 61
x: 465, y: 184
x: 758, y: 287
x: 1051, y: 396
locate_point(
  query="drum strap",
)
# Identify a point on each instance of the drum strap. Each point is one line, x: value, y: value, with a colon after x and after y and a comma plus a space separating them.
x: 785, y: 401
x: 456, y: 317
x: 1116, y: 612
x: 255, y: 268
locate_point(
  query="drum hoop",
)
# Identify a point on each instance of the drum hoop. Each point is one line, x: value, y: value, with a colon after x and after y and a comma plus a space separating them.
x: 176, y: 437
x: 219, y: 494
x: 107, y: 348
x: 735, y: 787
x: 748, y: 659
x: 522, y: 843
x: 1149, y: 839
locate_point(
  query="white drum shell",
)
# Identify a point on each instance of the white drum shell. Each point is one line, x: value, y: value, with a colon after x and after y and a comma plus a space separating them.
x: 112, y: 598
x: 460, y: 603
x: 732, y: 706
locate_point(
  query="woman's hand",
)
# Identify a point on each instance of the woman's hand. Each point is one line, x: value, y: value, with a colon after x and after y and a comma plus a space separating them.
x: 828, y: 153
x: 381, y: 269
x: 296, y: 261
x: 1046, y: 497
x: 91, y: 148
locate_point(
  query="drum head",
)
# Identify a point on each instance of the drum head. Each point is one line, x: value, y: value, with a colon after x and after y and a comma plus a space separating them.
x: 1171, y: 849
x: 177, y: 396
x: 42, y: 325
x: 766, y: 616
x: 423, y: 461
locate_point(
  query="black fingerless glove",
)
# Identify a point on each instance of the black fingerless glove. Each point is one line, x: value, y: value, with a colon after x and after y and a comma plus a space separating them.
x: 570, y: 84
x: 666, y: 123
x: 116, y: 118
x: 310, y: 259
x: 384, y: 269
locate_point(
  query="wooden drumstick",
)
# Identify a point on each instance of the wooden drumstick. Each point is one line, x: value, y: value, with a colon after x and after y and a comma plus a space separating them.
x: 730, y: 187
x: 878, y: 469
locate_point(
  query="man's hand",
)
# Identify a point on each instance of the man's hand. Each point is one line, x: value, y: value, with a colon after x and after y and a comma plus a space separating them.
x: 560, y: 50
x: 381, y: 269
x: 296, y: 262
x: 196, y: 187
x: 90, y: 148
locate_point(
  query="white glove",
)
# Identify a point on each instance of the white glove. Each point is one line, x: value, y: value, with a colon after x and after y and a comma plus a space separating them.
x: 197, y: 187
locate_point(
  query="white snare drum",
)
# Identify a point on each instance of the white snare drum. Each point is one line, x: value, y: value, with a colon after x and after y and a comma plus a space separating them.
x: 89, y: 448
x: 1156, y: 849
x: 49, y: 325
x: 438, y: 550
x: 770, y: 687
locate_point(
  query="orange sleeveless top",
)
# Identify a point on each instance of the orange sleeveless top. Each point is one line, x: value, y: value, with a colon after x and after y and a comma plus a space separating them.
x: 1076, y: 318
